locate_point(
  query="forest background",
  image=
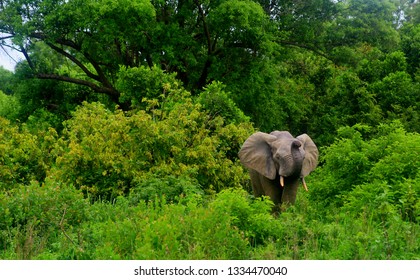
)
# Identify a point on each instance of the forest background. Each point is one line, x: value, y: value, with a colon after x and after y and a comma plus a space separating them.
x: 120, y: 130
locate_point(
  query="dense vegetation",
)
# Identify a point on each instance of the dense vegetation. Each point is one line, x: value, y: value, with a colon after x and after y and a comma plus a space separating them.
x: 119, y: 132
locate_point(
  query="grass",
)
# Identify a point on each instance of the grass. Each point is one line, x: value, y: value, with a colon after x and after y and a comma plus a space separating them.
x: 230, y: 225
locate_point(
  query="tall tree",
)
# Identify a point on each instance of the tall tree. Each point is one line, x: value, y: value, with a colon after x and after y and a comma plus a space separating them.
x: 192, y: 38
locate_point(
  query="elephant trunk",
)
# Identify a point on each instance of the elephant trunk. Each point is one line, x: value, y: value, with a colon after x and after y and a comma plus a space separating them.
x: 290, y: 183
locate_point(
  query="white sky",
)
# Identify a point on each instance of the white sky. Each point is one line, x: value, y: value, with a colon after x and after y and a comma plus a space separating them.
x: 7, y: 62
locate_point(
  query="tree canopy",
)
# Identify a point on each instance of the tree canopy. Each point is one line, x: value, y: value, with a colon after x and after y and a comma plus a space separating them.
x: 277, y: 58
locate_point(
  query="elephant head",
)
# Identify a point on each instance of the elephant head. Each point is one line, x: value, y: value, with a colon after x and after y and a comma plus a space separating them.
x: 277, y: 162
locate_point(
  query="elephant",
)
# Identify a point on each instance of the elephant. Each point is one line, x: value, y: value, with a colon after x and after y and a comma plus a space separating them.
x: 277, y: 162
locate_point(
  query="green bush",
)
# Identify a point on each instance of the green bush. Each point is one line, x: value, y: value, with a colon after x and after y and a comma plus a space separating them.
x: 188, y: 229
x: 37, y: 220
x: 42, y: 120
x: 54, y: 221
x: 138, y: 84
x: 243, y: 228
x: 217, y: 102
x: 106, y: 153
x: 9, y: 106
x: 379, y: 172
x: 23, y: 156
x: 171, y: 187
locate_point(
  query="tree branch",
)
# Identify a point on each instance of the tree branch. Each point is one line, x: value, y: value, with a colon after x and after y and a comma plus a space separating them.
x: 64, y: 232
x: 7, y: 37
x: 5, y: 51
x: 206, y: 28
x: 75, y: 60
x: 28, y: 59
x: 210, y: 48
x: 113, y: 93
x: 100, y: 77
x: 306, y: 47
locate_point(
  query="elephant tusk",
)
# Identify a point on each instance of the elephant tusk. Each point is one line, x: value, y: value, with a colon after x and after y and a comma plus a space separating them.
x: 304, y: 184
x: 282, y: 181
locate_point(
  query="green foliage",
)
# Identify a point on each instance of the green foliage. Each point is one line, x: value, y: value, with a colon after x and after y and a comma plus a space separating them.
x: 22, y: 158
x: 171, y: 187
x: 384, y: 165
x: 341, y: 98
x: 217, y: 102
x: 364, y: 21
x: 145, y: 164
x: 271, y: 56
x: 410, y: 45
x: 169, y: 231
x: 95, y: 153
x: 243, y: 228
x: 396, y: 92
x: 6, y: 81
x: 107, y: 153
x: 138, y: 84
x: 160, y: 230
x: 9, y: 106
x: 35, y: 216
x: 239, y: 22
x: 41, y: 120
x: 376, y: 65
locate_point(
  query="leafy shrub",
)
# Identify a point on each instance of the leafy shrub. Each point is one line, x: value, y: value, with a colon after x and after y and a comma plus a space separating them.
x: 188, y: 229
x: 343, y: 165
x: 396, y: 92
x: 358, y: 170
x: 53, y: 221
x: 23, y: 156
x: 106, y: 153
x: 171, y: 187
x: 218, y: 103
x: 95, y: 152
x: 377, y: 65
x: 42, y: 120
x: 9, y: 106
x: 242, y: 228
x: 138, y: 84
x: 34, y: 217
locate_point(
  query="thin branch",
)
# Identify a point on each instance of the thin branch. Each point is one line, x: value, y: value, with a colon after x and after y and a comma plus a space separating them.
x: 5, y: 51
x: 205, y: 26
x: 10, y: 47
x: 75, y: 61
x: 100, y: 76
x: 64, y: 232
x: 61, y: 41
x: 113, y: 93
x: 7, y: 37
x: 306, y: 47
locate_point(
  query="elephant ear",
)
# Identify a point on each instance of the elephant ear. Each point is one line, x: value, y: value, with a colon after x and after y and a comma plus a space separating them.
x: 311, y: 154
x: 256, y: 154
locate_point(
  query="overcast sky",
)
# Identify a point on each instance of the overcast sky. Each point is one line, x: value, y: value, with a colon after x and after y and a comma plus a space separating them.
x: 8, y: 62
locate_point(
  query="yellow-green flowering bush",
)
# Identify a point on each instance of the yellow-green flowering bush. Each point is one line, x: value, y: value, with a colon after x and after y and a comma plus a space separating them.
x: 23, y: 156
x: 107, y: 153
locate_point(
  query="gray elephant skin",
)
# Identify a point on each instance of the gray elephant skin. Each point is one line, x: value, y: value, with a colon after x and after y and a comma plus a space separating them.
x: 277, y: 162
